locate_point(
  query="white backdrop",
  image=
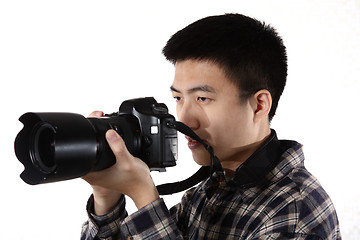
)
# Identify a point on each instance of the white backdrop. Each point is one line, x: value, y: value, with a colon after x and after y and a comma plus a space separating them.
x: 78, y: 56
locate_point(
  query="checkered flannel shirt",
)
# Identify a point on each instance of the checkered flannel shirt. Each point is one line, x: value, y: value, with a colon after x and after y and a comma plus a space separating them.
x: 290, y: 205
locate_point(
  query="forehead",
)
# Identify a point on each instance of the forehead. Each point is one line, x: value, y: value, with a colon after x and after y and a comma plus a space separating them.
x: 191, y: 74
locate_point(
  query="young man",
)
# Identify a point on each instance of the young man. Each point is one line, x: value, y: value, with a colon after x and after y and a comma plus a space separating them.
x: 230, y: 71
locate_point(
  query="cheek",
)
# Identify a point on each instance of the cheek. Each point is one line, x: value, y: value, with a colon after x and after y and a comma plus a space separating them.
x: 230, y: 129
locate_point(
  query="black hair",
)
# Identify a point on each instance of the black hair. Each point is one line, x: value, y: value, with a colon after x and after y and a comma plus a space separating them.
x: 251, y: 53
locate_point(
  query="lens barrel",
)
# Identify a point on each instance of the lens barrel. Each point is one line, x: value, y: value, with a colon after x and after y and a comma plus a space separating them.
x: 61, y: 146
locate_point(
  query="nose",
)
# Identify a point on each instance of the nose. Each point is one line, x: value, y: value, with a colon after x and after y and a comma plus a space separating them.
x: 188, y: 114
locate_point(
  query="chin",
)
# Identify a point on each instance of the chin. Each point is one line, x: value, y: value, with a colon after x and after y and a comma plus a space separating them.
x: 202, y: 159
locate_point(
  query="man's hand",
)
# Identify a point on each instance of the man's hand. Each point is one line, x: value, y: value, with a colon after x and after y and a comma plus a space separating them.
x: 129, y: 176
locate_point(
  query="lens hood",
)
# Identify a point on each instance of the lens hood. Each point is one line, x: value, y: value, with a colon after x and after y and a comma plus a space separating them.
x: 55, y: 146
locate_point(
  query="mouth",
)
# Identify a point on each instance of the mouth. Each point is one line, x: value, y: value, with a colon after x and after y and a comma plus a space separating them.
x: 193, y: 144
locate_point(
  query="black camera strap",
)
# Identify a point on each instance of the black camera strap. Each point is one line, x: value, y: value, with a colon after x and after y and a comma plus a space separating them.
x: 201, y: 174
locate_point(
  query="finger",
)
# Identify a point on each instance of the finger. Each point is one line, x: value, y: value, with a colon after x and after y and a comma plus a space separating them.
x: 116, y: 143
x: 96, y: 114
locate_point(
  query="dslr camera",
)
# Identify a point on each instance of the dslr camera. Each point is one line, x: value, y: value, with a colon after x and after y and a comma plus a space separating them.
x: 60, y: 146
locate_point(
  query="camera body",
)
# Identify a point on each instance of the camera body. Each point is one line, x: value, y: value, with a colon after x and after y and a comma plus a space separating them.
x: 60, y: 146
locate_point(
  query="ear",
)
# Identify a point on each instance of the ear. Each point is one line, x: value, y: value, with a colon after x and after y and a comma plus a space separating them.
x: 262, y: 102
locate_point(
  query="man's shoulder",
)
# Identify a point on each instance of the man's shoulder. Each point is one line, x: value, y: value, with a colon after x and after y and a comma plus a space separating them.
x: 305, y: 188
x: 291, y: 177
x: 308, y: 200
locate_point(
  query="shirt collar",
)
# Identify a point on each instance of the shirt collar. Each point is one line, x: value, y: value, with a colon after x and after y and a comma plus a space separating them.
x: 259, y: 164
x: 259, y: 168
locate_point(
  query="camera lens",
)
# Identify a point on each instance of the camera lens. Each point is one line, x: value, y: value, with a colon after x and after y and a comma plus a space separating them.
x: 42, y: 154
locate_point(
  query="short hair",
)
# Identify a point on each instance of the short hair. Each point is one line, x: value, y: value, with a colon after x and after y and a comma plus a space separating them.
x: 250, y: 52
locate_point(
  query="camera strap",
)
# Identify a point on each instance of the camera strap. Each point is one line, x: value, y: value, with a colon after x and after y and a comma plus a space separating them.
x: 201, y: 174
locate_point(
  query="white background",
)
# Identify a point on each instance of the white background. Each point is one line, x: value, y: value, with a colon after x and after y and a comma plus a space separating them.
x: 78, y: 56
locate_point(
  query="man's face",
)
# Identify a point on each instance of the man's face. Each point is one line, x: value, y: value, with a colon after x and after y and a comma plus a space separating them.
x: 210, y: 105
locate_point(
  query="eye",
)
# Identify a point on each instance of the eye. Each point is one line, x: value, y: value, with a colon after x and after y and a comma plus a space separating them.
x: 177, y: 99
x: 203, y: 99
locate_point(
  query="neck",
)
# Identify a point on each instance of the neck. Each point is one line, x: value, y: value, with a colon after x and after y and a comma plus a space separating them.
x: 230, y: 165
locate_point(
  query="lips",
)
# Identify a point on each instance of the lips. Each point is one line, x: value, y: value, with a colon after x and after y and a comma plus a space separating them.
x: 192, y: 144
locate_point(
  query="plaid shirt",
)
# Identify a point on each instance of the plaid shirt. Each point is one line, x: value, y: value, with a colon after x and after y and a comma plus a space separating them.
x: 289, y: 204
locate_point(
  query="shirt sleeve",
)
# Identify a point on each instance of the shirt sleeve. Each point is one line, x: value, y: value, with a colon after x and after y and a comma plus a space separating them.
x: 104, y: 227
x: 150, y: 222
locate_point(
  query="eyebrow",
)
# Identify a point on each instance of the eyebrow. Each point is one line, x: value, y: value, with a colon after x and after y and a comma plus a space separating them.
x: 201, y: 88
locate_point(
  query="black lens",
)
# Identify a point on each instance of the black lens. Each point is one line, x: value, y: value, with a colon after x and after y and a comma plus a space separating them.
x: 42, y: 154
x: 58, y: 146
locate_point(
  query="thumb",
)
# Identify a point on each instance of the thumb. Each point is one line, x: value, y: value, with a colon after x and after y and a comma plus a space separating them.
x: 116, y: 143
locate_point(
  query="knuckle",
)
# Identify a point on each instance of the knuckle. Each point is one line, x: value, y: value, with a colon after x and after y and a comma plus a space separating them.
x: 96, y: 114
